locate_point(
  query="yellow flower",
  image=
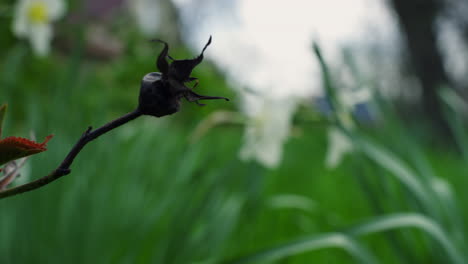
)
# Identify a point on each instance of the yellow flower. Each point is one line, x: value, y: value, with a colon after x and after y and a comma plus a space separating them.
x: 37, y: 12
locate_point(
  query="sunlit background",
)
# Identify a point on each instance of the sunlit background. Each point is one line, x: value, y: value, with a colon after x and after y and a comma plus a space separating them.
x: 345, y: 139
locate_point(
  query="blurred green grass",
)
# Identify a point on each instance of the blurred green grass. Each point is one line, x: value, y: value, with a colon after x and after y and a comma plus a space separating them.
x: 144, y: 194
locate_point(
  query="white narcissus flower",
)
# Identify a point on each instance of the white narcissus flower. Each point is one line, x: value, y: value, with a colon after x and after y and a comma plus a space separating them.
x: 267, y: 128
x: 347, y: 100
x: 339, y: 144
x: 33, y: 20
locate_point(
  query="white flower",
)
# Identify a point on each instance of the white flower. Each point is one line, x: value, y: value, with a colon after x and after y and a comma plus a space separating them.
x: 339, y: 145
x: 347, y: 100
x: 268, y: 125
x: 33, y: 20
x: 147, y: 14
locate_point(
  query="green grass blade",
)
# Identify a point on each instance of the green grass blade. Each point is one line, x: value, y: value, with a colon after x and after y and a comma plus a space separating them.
x: 330, y: 240
x: 346, y: 241
x: 327, y: 80
x: 398, y: 221
x: 292, y: 201
x: 430, y: 195
x: 399, y: 169
x: 450, y: 207
x: 454, y: 106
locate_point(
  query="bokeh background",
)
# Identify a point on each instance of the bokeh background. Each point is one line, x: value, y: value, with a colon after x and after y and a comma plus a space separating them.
x: 345, y: 140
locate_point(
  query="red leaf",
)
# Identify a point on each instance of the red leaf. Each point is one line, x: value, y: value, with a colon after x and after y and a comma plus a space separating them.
x: 12, y: 148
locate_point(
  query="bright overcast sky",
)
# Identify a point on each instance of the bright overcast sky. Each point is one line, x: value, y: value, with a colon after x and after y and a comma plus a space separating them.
x: 266, y: 44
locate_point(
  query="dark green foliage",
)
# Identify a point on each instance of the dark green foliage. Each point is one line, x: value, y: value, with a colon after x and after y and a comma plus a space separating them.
x: 144, y: 194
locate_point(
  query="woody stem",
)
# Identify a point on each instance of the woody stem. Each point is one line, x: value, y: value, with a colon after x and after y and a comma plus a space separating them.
x: 64, y: 168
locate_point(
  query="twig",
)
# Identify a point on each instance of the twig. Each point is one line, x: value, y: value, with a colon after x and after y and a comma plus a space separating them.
x: 64, y: 168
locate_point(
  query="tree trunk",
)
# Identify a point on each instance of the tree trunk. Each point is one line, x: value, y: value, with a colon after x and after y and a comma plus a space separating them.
x: 417, y: 20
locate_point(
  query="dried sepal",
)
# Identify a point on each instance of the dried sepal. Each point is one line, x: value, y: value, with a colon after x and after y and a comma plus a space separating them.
x: 161, y: 62
x: 180, y: 70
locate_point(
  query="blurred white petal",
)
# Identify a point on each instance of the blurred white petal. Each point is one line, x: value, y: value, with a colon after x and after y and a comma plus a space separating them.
x: 339, y: 145
x: 56, y: 9
x: 33, y: 20
x: 268, y: 126
x: 40, y: 37
x: 148, y: 15
x: 20, y: 21
x: 350, y: 98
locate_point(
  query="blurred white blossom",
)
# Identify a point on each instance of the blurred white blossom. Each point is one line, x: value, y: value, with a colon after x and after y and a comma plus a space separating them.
x: 272, y: 56
x: 347, y: 100
x: 350, y: 98
x: 339, y: 145
x: 33, y: 20
x: 267, y: 128
x: 147, y: 14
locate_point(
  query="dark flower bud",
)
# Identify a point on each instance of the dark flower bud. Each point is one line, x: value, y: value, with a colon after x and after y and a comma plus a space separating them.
x: 161, y: 92
x: 156, y: 97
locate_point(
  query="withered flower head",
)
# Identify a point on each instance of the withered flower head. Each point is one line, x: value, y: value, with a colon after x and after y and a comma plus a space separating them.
x: 161, y: 92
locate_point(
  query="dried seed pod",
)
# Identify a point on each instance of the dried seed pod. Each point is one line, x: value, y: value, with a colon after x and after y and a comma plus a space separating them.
x: 161, y: 92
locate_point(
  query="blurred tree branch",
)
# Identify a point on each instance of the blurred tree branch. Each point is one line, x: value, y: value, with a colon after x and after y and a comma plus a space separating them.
x: 417, y: 19
x: 456, y: 10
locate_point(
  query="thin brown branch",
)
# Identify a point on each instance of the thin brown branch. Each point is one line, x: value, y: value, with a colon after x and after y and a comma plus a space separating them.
x: 64, y: 168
